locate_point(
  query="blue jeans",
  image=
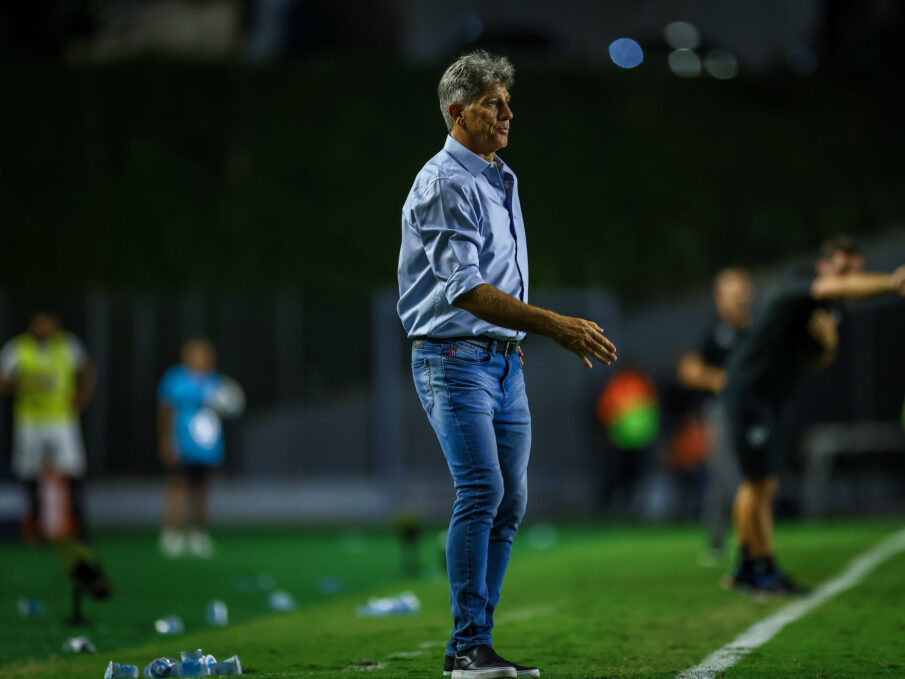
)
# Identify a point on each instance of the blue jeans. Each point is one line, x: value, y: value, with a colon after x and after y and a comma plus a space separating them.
x: 476, y: 403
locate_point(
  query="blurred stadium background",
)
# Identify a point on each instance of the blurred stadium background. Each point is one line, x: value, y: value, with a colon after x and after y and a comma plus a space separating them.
x: 236, y: 168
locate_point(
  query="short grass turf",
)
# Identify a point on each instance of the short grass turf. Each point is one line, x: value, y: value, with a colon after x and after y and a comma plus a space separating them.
x: 600, y: 601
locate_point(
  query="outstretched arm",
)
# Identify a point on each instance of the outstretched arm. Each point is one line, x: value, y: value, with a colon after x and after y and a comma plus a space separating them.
x: 859, y: 284
x: 583, y: 338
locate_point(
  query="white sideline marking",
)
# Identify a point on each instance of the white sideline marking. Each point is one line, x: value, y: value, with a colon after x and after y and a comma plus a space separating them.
x: 399, y: 655
x: 761, y: 632
x: 364, y: 668
x: 432, y: 644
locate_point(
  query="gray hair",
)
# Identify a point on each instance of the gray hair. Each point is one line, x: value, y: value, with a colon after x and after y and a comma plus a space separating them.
x: 468, y: 75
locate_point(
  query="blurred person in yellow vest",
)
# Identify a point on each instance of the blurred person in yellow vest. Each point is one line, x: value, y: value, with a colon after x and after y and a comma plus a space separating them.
x: 51, y: 378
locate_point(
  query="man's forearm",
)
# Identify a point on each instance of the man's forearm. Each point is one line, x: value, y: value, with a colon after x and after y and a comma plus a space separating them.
x: 695, y: 373
x: 495, y: 306
x: 853, y: 286
x: 84, y: 384
x: 582, y: 337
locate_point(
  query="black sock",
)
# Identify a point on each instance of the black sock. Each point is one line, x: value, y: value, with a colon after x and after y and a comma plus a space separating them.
x: 745, y: 560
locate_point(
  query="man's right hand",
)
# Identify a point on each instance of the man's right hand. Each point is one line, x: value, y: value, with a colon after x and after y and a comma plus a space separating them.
x: 585, y: 339
x: 898, y: 280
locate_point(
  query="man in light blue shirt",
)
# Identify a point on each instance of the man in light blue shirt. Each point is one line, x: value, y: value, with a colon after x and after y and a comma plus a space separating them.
x: 463, y: 300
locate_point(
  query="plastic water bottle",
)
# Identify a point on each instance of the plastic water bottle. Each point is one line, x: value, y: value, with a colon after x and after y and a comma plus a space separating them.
x: 407, y: 602
x: 117, y: 670
x: 403, y: 604
x: 78, y: 645
x: 194, y: 664
x: 217, y: 613
x: 228, y: 666
x: 171, y: 624
x: 30, y: 607
x: 281, y: 601
x: 163, y: 667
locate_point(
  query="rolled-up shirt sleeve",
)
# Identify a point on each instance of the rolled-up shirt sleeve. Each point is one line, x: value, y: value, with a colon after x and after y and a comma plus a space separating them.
x: 451, y: 234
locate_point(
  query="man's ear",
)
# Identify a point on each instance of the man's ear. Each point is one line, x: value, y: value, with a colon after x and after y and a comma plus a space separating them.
x: 457, y: 113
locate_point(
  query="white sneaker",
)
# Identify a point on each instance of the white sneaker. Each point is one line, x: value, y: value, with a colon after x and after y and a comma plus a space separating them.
x: 171, y: 543
x: 201, y: 545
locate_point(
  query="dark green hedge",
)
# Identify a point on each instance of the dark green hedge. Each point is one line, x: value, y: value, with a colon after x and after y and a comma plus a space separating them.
x: 153, y: 176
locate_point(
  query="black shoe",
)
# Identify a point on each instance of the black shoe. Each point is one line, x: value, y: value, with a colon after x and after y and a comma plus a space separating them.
x: 522, y: 670
x: 744, y: 579
x: 782, y: 585
x: 481, y: 662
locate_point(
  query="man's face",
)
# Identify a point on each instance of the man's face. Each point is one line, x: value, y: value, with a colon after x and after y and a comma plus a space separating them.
x: 841, y: 263
x: 733, y: 298
x: 199, y: 357
x: 486, y: 119
x: 44, y: 325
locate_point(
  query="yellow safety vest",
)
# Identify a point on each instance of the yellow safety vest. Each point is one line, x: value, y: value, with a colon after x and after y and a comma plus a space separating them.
x: 46, y: 379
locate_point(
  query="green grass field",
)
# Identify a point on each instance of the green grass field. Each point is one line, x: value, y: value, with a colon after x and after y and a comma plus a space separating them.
x: 600, y: 601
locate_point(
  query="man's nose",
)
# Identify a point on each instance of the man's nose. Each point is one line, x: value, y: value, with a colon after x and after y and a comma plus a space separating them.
x: 506, y: 112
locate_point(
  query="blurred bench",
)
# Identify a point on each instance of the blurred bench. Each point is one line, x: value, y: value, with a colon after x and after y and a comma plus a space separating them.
x: 825, y: 443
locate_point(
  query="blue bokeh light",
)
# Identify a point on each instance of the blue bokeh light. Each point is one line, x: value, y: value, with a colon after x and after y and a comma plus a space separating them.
x: 626, y: 53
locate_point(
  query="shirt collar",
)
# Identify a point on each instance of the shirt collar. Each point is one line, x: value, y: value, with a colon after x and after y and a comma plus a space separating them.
x: 470, y: 161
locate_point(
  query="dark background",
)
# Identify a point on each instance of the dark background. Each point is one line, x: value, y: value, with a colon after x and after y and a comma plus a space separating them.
x: 237, y: 169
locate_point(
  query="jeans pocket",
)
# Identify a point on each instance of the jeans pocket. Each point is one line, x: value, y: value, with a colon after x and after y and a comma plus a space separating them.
x: 421, y: 371
x: 465, y: 353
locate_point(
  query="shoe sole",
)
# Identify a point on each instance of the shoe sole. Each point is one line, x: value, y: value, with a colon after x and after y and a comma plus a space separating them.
x: 524, y: 673
x: 494, y: 673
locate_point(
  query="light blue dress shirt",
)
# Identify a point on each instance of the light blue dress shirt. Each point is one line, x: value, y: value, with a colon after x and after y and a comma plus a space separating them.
x: 461, y: 226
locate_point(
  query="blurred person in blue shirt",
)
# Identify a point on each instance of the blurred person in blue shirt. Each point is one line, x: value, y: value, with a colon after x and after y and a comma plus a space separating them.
x: 192, y: 399
x: 463, y: 301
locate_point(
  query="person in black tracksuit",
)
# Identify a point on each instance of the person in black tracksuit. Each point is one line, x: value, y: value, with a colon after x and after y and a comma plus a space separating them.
x: 703, y: 370
x: 794, y: 333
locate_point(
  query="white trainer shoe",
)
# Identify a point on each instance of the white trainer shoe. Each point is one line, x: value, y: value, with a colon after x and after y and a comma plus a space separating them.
x: 171, y: 543
x: 201, y: 545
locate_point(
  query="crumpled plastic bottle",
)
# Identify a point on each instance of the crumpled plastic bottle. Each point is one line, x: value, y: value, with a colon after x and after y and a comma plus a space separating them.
x: 402, y: 604
x: 228, y: 666
x: 281, y: 600
x: 217, y: 613
x: 78, y: 645
x: 196, y: 663
x: 117, y: 670
x: 171, y: 624
x: 29, y: 607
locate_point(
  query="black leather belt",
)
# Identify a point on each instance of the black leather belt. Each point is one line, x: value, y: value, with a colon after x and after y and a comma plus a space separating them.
x: 491, y: 344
